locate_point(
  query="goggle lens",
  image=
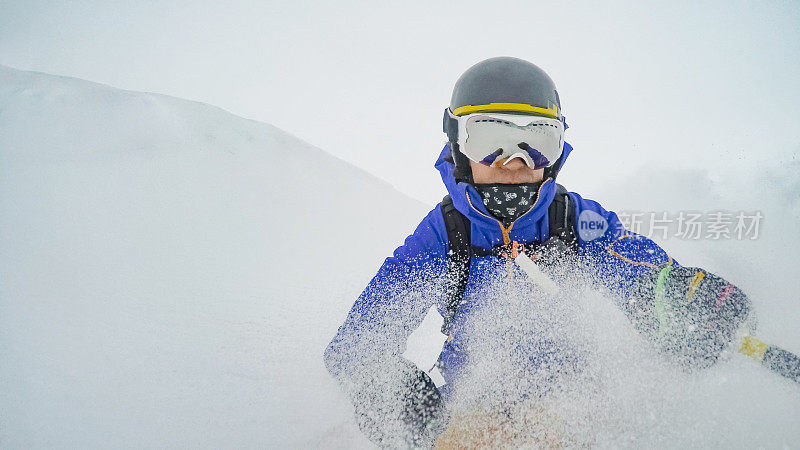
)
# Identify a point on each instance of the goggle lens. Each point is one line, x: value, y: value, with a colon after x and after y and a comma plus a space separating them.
x: 492, y: 138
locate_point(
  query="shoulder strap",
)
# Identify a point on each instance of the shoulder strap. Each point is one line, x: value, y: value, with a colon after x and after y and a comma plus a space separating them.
x: 561, y: 215
x: 460, y: 252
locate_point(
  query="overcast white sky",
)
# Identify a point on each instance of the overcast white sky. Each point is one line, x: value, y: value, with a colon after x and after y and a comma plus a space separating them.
x: 640, y: 82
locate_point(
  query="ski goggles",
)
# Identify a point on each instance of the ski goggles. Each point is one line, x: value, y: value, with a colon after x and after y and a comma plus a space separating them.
x: 494, y: 139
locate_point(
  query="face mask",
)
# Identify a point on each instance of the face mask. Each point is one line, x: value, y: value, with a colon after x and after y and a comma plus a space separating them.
x: 508, y: 201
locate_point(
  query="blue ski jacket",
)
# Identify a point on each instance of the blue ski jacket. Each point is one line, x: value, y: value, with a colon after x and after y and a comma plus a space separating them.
x: 399, y: 296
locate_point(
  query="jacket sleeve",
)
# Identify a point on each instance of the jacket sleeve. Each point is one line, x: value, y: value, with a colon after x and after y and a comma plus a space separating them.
x: 690, y: 313
x: 618, y: 257
x: 396, y: 404
x: 394, y: 302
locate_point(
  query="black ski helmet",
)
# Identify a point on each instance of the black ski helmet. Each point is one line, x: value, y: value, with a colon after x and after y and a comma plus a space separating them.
x: 501, y: 84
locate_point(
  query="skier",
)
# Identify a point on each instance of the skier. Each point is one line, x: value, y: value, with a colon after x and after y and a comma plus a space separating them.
x: 505, y: 148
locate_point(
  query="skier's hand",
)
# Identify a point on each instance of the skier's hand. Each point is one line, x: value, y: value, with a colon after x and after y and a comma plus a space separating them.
x: 397, y: 405
x: 550, y: 251
x: 424, y: 412
x: 692, y: 314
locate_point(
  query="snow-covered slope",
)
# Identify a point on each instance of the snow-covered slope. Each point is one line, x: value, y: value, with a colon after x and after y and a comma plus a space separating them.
x: 170, y: 273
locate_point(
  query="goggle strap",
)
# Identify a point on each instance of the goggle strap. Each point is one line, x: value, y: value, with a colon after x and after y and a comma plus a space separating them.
x: 450, y: 126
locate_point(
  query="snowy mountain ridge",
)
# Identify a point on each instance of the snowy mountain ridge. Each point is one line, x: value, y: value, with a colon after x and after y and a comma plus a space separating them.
x: 168, y: 267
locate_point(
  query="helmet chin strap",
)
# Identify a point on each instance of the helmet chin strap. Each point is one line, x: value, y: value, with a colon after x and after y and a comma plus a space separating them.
x: 463, y: 171
x: 552, y: 171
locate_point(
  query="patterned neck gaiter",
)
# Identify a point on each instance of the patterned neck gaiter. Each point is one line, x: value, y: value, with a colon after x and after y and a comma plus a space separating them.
x: 508, y: 201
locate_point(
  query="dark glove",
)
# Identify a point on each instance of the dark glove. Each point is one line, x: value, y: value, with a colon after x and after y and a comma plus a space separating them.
x: 553, y: 253
x: 556, y: 259
x: 423, y: 411
x: 691, y: 314
x: 398, y: 405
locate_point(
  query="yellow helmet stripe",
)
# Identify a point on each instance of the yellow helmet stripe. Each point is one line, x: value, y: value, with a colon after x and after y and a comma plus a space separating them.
x: 552, y: 111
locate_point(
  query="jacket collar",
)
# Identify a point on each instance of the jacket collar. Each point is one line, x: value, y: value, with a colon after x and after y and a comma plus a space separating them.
x: 467, y: 201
